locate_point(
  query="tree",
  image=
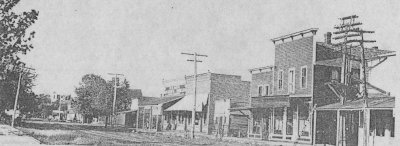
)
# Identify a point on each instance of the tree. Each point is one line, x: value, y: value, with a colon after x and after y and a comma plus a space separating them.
x: 95, y: 96
x: 90, y: 93
x: 14, y: 41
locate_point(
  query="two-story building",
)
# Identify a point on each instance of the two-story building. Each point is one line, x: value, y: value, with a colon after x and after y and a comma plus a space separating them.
x: 216, y: 94
x: 306, y: 74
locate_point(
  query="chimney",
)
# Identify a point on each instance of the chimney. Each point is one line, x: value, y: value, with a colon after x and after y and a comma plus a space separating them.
x: 328, y: 38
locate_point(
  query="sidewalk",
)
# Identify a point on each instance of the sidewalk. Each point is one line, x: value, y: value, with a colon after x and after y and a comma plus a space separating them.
x: 230, y: 139
x: 10, y: 136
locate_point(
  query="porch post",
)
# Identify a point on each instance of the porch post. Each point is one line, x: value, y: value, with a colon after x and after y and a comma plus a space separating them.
x: 314, y: 131
x: 337, y: 127
x: 201, y: 121
x: 296, y: 124
x: 284, y: 121
x: 137, y: 120
x: 250, y: 124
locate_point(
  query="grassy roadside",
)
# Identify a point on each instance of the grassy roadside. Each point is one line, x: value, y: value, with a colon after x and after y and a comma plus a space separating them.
x: 60, y: 134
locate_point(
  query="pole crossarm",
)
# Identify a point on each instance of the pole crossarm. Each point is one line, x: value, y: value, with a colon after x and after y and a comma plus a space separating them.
x: 348, y: 17
x: 346, y: 35
x: 347, y: 25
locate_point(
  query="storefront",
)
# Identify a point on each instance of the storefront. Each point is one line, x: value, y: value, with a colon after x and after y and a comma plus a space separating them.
x: 281, y: 118
x: 343, y: 124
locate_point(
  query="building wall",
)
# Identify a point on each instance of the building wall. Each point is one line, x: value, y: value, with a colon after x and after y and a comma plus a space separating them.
x: 294, y: 54
x: 261, y: 79
x: 219, y: 87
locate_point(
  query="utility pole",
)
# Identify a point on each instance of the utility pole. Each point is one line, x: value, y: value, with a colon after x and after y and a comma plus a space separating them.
x: 348, y: 30
x: 17, y: 95
x: 195, y: 60
x: 115, y: 97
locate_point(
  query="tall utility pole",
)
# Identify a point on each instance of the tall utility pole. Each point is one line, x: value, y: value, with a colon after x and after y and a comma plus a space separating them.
x: 195, y: 60
x: 16, y: 96
x: 115, y: 96
x: 347, y: 30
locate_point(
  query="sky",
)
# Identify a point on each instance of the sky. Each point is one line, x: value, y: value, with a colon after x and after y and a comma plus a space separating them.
x: 143, y: 39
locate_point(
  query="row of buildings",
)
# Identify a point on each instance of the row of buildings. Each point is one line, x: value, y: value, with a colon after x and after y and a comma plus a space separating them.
x: 300, y: 99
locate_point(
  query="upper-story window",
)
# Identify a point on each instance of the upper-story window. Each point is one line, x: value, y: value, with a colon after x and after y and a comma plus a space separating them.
x: 267, y: 90
x: 304, y: 77
x: 260, y: 90
x: 280, y: 80
x: 291, y: 80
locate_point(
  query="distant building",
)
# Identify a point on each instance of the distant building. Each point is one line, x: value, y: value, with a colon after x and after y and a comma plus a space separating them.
x: 174, y: 87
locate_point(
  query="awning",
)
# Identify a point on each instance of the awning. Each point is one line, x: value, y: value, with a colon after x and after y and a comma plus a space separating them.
x: 122, y: 112
x: 270, y: 101
x: 373, y: 103
x: 186, y: 103
x: 246, y: 111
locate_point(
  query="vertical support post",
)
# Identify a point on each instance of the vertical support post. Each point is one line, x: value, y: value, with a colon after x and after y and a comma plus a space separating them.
x: 201, y: 121
x: 314, y: 131
x: 137, y: 119
x: 338, y: 130
x: 195, y: 95
x: 284, y: 121
x: 157, y: 122
x: 208, y: 118
x: 364, y: 91
x: 115, y: 97
x: 16, y: 100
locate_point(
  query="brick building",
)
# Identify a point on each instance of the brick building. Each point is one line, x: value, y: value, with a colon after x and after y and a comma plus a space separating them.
x: 216, y: 93
x: 305, y: 75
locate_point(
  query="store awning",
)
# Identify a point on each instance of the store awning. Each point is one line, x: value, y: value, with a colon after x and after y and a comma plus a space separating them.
x: 270, y: 101
x: 186, y: 103
x: 373, y: 103
x: 128, y: 111
x: 246, y: 111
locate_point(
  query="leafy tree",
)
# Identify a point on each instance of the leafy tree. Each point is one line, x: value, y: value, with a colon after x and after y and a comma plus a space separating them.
x: 95, y: 96
x: 15, y: 40
x: 91, y: 91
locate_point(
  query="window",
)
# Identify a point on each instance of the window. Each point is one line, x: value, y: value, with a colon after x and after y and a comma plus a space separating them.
x: 289, y: 121
x: 304, y: 77
x: 291, y: 81
x: 278, y: 123
x: 256, y: 124
x: 304, y: 121
x: 266, y: 90
x: 181, y: 86
x: 280, y: 80
x: 260, y: 91
x: 335, y: 75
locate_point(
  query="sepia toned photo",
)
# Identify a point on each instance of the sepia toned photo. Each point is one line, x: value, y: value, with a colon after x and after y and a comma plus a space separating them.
x: 199, y: 72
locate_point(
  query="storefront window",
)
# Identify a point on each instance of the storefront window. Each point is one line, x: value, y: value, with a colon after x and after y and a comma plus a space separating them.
x: 304, y: 121
x: 278, y: 123
x: 289, y: 121
x: 382, y: 123
x: 257, y: 124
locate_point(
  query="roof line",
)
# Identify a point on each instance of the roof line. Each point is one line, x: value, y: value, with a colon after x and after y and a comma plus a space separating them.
x: 291, y: 35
